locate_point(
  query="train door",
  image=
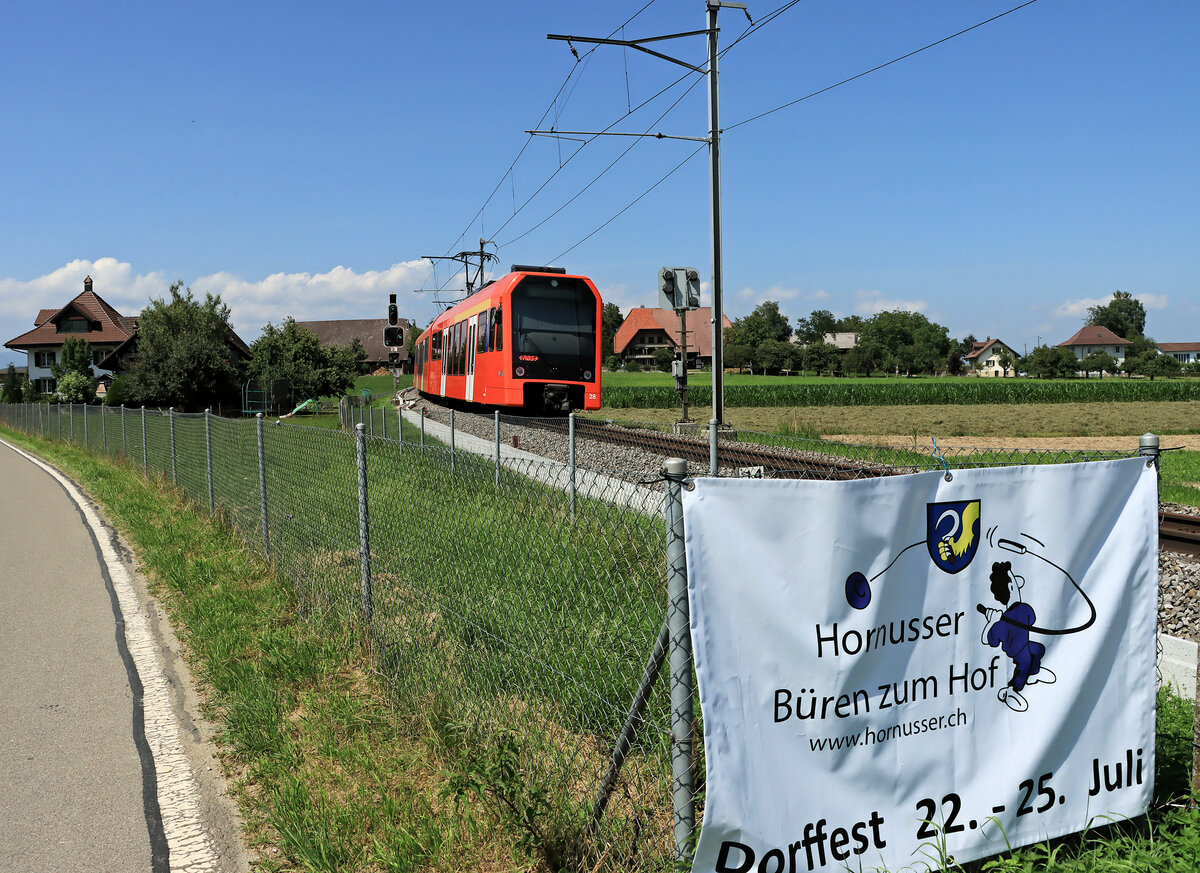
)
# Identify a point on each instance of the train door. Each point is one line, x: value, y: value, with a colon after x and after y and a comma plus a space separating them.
x: 447, y: 349
x: 470, y: 358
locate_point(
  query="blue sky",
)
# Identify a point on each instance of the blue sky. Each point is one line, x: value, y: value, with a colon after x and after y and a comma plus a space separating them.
x: 301, y: 159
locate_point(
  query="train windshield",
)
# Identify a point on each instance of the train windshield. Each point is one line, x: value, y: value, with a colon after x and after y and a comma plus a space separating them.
x: 554, y: 329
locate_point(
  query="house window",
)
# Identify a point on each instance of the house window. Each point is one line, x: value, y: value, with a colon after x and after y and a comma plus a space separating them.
x: 43, y: 359
x: 74, y: 325
x: 99, y: 355
x: 45, y: 385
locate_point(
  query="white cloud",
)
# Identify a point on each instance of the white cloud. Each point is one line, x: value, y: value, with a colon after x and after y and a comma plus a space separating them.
x: 872, y: 302
x: 1152, y: 301
x: 339, y: 293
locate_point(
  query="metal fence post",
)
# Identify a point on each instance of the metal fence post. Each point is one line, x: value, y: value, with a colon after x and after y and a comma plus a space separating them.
x: 680, y: 655
x: 174, y: 468
x: 451, y: 442
x: 85, y: 427
x: 208, y: 456
x: 571, y: 458
x: 145, y: 450
x: 262, y: 485
x: 71, y: 419
x: 103, y: 430
x: 41, y: 422
x: 124, y: 441
x: 497, y: 431
x: 712, y: 447
x: 364, y: 524
x: 422, y: 428
x: 400, y: 430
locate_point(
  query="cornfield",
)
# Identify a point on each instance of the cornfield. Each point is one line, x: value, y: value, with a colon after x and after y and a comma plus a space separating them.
x: 903, y: 392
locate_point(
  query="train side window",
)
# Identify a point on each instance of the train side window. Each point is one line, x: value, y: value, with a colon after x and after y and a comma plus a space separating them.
x: 497, y: 329
x: 436, y: 347
x: 481, y: 337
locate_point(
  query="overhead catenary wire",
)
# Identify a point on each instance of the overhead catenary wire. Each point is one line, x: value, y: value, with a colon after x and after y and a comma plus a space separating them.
x: 878, y: 67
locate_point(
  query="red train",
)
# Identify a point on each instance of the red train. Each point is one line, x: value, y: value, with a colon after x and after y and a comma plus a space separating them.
x: 527, y: 340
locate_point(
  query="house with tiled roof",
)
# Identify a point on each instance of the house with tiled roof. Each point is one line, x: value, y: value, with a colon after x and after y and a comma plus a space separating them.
x: 87, y: 317
x: 1185, y: 353
x: 369, y: 332
x: 984, y: 358
x: 1094, y: 337
x: 646, y: 330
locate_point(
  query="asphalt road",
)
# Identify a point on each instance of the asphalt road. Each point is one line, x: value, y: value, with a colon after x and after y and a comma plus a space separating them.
x: 94, y: 773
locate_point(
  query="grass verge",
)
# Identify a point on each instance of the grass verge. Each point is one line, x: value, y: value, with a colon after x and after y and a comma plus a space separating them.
x: 329, y: 776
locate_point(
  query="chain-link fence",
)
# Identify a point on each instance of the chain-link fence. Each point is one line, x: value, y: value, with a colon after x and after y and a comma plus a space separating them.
x: 521, y: 605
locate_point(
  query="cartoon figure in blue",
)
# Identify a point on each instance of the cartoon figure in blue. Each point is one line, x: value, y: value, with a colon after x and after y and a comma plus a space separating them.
x: 952, y: 539
x: 1009, y: 629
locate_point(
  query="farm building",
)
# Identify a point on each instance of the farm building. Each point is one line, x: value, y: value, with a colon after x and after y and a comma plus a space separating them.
x: 645, y: 330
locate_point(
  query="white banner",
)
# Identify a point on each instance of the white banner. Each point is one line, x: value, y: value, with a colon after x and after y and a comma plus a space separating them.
x: 895, y: 671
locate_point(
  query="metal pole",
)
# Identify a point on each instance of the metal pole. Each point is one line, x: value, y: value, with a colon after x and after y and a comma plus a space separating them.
x: 571, y: 458
x: 496, y: 429
x: 712, y: 447
x: 714, y: 153
x: 262, y: 486
x: 174, y: 467
x: 71, y: 419
x: 85, y: 427
x: 632, y: 721
x: 422, y: 428
x: 103, y: 431
x: 124, y: 441
x: 364, y: 523
x: 208, y: 456
x: 451, y: 442
x: 678, y: 617
x: 400, y: 429
x: 145, y: 451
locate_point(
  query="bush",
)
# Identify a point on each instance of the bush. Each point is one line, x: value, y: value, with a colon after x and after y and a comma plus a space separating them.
x: 118, y: 392
x: 612, y: 363
x: 633, y: 367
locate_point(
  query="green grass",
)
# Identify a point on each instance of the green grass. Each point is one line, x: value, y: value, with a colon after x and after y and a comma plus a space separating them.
x: 342, y: 772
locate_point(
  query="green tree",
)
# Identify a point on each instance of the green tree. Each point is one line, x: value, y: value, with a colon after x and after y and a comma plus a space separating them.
x: 766, y: 322
x: 11, y: 392
x: 293, y: 354
x: 74, y: 387
x: 865, y: 358
x: 1007, y: 360
x: 1098, y: 361
x: 813, y: 328
x: 74, y: 380
x: 911, y: 342
x: 1050, y: 362
x: 1122, y: 314
x: 954, y: 363
x: 773, y: 355
x: 76, y: 357
x: 1157, y: 365
x: 610, y: 322
x: 184, y: 357
x: 663, y: 359
x: 849, y: 324
x: 966, y: 345
x: 822, y: 357
x: 738, y: 355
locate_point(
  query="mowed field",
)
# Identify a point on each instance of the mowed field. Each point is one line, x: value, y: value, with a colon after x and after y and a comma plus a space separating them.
x: 1050, y: 425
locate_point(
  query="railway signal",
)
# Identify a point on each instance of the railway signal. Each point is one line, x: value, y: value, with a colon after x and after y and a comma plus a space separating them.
x: 393, y: 312
x: 679, y: 288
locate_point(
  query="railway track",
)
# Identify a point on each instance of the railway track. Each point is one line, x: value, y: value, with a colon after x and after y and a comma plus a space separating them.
x: 1179, y: 533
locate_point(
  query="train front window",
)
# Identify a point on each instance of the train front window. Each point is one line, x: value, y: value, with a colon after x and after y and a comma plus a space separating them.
x: 553, y: 329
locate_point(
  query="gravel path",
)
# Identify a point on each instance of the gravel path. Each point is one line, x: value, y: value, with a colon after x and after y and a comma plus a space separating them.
x: 1179, y: 575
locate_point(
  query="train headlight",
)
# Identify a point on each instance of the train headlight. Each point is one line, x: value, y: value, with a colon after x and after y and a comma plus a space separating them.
x: 520, y: 371
x: 587, y: 375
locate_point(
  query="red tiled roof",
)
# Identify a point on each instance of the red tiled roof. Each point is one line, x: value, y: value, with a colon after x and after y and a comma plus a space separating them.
x: 108, y: 325
x: 698, y: 321
x: 1094, y: 335
x: 1179, y: 347
x: 979, y: 348
x: 368, y: 331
